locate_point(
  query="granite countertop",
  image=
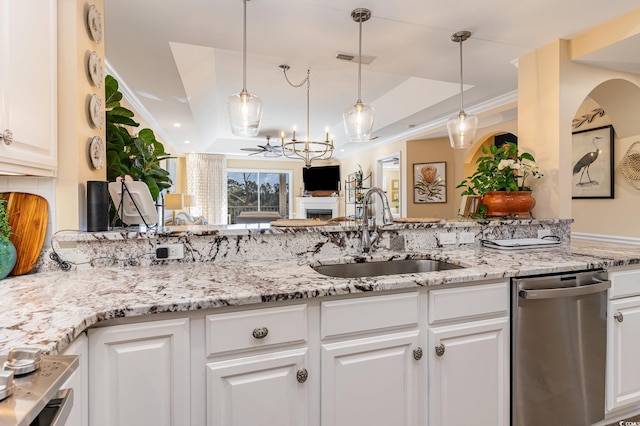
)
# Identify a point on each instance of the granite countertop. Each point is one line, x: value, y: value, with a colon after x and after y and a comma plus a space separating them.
x: 50, y: 309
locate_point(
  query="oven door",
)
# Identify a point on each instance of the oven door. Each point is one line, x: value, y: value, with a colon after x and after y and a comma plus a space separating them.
x: 56, y: 412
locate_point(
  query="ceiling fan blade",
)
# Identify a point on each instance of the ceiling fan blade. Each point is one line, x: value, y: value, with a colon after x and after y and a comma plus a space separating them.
x: 252, y: 149
x: 256, y: 153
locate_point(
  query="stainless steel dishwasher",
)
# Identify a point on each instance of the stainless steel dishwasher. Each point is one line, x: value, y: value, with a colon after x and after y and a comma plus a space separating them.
x: 558, y: 335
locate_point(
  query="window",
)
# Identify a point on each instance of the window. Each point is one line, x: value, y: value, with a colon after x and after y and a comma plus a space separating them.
x: 258, y: 190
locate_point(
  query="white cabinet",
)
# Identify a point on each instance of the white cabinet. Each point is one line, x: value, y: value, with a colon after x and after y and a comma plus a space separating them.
x: 371, y: 381
x: 469, y: 373
x: 258, y: 369
x: 139, y: 374
x: 371, y: 361
x: 79, y: 382
x: 623, y: 345
x: 262, y: 390
x: 28, y: 86
x: 469, y: 364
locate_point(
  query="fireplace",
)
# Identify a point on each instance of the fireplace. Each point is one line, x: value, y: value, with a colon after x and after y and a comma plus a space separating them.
x: 323, y: 208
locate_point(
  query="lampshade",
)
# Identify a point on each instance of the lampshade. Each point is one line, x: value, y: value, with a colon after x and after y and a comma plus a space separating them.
x: 245, y: 109
x: 358, y: 122
x: 462, y: 130
x: 358, y: 118
x: 173, y: 201
x: 189, y: 200
x: 462, y: 127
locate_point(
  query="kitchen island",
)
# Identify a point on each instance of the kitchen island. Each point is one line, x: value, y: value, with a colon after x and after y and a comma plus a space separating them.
x: 191, y: 320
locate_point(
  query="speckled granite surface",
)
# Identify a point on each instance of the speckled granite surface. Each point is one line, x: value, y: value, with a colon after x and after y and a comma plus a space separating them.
x: 49, y: 309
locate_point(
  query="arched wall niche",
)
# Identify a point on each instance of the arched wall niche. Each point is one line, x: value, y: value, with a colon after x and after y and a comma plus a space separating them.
x: 620, y: 100
x: 476, y: 150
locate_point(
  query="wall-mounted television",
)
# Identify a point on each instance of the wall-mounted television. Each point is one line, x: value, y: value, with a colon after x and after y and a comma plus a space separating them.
x: 322, y: 178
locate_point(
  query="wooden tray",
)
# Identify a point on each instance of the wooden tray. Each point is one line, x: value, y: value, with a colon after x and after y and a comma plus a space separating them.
x: 416, y: 219
x: 299, y: 222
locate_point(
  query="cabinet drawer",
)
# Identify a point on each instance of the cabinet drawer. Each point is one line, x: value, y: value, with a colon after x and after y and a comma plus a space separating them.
x: 368, y: 313
x: 624, y: 283
x: 255, y: 328
x: 467, y: 302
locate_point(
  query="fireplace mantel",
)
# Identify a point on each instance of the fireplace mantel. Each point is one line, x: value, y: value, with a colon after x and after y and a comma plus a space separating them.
x: 303, y: 204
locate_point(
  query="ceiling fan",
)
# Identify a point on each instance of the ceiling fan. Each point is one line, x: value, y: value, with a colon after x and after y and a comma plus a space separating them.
x: 268, y: 150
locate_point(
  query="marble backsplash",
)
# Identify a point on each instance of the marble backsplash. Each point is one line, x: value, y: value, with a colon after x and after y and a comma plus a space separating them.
x: 243, y: 243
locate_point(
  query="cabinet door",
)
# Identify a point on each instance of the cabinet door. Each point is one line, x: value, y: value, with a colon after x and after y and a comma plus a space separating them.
x: 623, y: 352
x: 139, y: 374
x: 469, y: 381
x: 79, y: 382
x: 28, y: 85
x: 371, y: 381
x: 262, y: 390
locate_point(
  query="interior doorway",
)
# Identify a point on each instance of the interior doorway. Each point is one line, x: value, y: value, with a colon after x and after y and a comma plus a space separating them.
x: 389, y: 178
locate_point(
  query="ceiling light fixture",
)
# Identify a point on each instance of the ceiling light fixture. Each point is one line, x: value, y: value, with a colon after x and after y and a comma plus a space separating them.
x: 462, y: 127
x: 245, y: 109
x: 306, y: 150
x: 358, y: 118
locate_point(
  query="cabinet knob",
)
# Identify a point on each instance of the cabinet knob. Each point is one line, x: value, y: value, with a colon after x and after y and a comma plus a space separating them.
x: 302, y: 375
x: 440, y: 349
x: 619, y: 317
x: 260, y: 332
x: 417, y: 353
x: 7, y: 137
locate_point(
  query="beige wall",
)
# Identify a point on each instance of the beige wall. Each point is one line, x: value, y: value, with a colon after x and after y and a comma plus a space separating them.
x: 74, y: 130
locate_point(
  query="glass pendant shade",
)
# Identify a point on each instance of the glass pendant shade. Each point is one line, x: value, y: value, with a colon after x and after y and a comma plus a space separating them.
x: 358, y: 122
x: 245, y: 113
x: 462, y: 130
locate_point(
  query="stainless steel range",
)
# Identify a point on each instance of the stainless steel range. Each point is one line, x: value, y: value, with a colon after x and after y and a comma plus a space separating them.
x: 30, y: 391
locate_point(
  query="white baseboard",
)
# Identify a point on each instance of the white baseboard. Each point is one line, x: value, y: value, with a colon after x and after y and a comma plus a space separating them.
x: 606, y: 238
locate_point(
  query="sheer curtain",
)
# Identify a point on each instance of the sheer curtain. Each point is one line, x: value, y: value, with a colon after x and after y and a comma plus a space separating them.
x: 207, y: 180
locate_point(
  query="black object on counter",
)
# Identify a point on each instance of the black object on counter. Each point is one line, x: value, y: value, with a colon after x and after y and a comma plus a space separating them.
x: 97, y: 206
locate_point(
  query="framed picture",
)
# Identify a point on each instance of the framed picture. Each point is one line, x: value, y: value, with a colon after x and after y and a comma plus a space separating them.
x: 592, y: 163
x: 395, y: 196
x: 395, y: 184
x: 430, y: 183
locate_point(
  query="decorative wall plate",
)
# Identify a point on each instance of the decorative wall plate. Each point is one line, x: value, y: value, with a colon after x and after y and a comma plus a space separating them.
x: 97, y: 152
x: 94, y: 24
x: 96, y: 112
x: 96, y: 71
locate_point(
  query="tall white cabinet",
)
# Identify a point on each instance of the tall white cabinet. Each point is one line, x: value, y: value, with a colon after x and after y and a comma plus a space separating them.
x: 623, y: 344
x: 28, y: 87
x: 139, y: 374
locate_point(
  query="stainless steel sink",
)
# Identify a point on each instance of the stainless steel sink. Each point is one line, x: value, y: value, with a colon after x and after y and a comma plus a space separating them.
x: 390, y: 267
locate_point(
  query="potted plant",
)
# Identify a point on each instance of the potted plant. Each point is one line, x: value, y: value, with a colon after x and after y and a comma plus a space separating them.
x: 7, y: 249
x: 501, y: 180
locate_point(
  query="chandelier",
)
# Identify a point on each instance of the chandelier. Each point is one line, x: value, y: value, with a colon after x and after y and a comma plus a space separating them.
x: 307, y: 149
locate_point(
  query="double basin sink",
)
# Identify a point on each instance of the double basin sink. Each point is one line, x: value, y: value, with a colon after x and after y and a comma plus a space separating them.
x: 388, y: 267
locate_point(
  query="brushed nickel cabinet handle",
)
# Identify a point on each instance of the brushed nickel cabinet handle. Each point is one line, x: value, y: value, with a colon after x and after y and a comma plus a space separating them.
x: 302, y: 375
x: 440, y: 349
x: 417, y: 354
x: 619, y: 317
x: 7, y: 137
x: 260, y: 332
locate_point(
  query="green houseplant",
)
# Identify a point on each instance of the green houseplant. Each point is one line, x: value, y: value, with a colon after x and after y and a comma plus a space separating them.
x: 137, y: 155
x: 501, y: 176
x: 7, y: 249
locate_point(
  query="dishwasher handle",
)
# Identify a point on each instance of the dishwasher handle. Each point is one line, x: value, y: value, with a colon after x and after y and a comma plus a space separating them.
x: 553, y: 293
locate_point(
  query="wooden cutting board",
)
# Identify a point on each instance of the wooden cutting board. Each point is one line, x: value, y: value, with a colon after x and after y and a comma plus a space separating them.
x: 28, y: 216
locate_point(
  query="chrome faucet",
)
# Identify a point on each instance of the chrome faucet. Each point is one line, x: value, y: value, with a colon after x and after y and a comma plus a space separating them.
x: 387, y: 218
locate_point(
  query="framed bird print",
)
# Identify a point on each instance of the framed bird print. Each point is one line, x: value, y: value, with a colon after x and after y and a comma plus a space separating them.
x: 592, y: 163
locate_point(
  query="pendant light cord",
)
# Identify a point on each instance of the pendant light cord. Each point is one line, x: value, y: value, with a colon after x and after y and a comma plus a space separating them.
x: 308, y: 81
x: 360, y: 61
x: 244, y: 47
x: 461, y: 81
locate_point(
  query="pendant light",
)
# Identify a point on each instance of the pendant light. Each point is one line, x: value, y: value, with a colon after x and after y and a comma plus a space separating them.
x: 358, y: 118
x: 245, y: 109
x: 462, y: 127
